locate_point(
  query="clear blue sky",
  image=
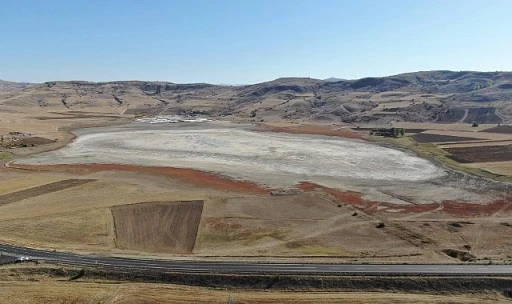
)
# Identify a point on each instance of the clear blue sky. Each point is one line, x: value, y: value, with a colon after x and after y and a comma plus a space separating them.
x: 245, y: 41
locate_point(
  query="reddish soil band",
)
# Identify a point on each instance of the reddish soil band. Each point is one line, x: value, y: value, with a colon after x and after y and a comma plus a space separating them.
x: 455, y: 208
x: 309, y: 129
x: 196, y: 177
x: 468, y: 209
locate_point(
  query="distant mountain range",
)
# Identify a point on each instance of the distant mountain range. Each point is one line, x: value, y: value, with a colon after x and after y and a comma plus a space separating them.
x: 430, y: 96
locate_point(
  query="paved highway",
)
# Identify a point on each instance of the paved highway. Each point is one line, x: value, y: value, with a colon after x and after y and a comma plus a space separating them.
x: 251, y: 267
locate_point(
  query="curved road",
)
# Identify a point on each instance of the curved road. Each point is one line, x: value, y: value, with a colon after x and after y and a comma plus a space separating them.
x: 251, y: 267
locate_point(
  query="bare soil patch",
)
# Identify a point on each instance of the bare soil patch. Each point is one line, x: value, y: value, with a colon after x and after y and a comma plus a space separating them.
x: 481, y: 154
x: 169, y: 227
x: 431, y: 138
x: 40, y: 190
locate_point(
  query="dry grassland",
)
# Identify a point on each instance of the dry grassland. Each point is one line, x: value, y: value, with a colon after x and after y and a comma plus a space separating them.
x: 79, y: 218
x: 498, y: 168
x: 85, y: 230
x: 308, y: 226
x: 56, y: 291
x: 40, y: 190
x: 12, y: 180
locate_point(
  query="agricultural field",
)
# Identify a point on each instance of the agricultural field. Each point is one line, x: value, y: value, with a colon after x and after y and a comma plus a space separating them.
x: 429, y: 138
x: 478, y: 154
x: 157, y: 226
x: 483, y: 150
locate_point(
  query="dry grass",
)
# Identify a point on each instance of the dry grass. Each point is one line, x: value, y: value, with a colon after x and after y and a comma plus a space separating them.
x: 16, y: 181
x: 51, y: 291
x: 77, y: 230
x: 499, y: 168
x: 40, y: 190
x: 310, y: 225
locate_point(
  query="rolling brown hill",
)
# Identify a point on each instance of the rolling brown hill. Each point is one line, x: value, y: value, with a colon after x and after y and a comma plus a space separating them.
x: 8, y: 86
x: 431, y: 96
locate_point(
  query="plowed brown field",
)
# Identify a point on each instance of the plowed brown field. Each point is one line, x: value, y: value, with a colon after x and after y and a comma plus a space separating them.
x: 499, y: 129
x: 40, y: 190
x: 481, y: 154
x: 169, y: 227
x: 431, y: 138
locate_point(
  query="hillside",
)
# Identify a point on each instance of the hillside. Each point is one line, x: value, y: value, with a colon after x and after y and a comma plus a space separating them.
x: 432, y: 96
x: 8, y: 86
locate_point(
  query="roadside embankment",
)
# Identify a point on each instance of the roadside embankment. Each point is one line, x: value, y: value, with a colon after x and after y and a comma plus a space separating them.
x: 361, y: 282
